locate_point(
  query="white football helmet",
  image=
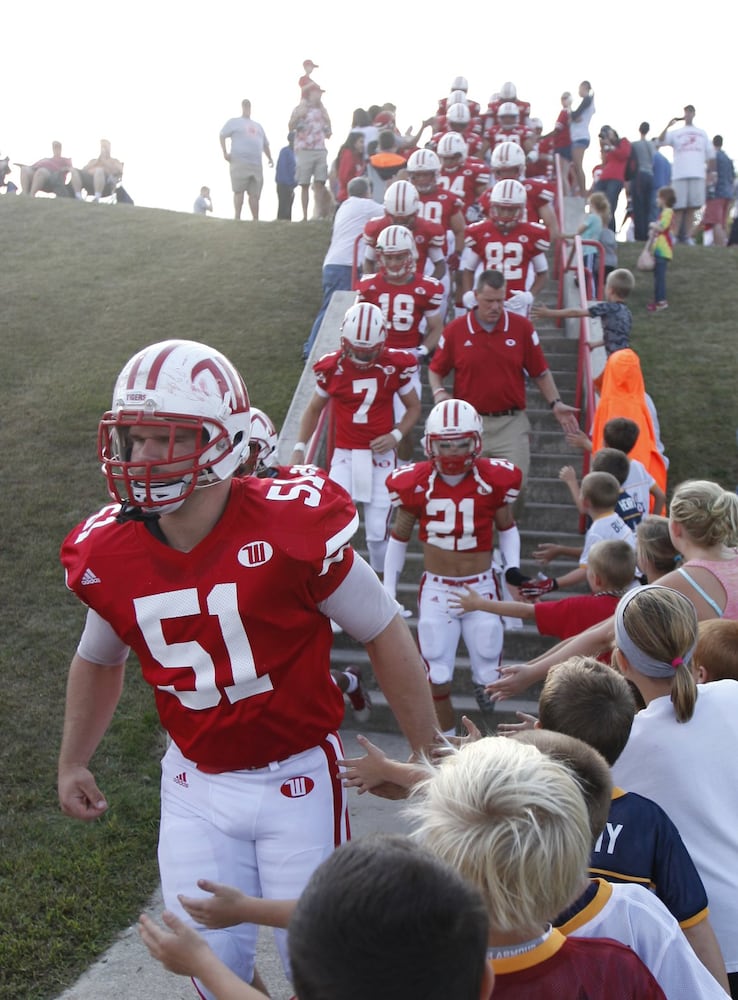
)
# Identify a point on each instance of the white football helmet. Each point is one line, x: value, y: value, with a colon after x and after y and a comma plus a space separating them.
x: 458, y: 114
x: 363, y: 333
x: 453, y: 436
x: 189, y: 400
x: 460, y: 83
x: 457, y: 97
x: 423, y: 166
x: 450, y: 146
x: 401, y: 200
x: 507, y: 204
x: 397, y: 252
x: 508, y: 110
x: 508, y: 161
x: 262, y: 442
x: 508, y: 91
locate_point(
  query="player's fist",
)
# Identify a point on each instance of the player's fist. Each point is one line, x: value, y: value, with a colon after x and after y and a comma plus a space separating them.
x: 538, y: 587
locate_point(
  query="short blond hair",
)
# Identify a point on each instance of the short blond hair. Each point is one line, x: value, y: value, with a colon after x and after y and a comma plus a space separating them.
x: 513, y: 822
x: 601, y: 489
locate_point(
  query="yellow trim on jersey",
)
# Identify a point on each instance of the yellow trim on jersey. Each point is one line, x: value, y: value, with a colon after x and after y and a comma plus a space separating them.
x: 547, y: 949
x: 618, y: 793
x: 620, y: 877
x: 696, y: 919
x: 588, y: 912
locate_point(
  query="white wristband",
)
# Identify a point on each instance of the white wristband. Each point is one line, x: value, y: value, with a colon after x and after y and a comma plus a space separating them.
x: 396, y: 434
x: 299, y: 446
x: 439, y: 389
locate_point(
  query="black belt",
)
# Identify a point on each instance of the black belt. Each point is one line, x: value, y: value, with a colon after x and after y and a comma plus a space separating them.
x: 500, y: 413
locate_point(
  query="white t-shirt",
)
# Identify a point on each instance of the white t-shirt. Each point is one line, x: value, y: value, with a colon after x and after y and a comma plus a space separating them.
x: 691, y: 152
x: 638, y: 485
x: 351, y: 217
x: 610, y: 528
x: 634, y: 916
x: 688, y: 768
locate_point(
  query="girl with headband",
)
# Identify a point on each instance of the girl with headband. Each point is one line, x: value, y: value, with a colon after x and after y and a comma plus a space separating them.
x: 683, y: 746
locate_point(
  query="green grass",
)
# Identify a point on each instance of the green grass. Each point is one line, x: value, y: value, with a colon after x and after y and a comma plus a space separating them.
x: 82, y: 288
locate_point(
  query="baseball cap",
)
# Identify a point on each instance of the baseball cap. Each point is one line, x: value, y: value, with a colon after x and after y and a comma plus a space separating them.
x: 310, y: 63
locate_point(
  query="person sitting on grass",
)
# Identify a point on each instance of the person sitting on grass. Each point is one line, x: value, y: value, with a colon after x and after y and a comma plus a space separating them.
x: 381, y: 917
x: 610, y: 569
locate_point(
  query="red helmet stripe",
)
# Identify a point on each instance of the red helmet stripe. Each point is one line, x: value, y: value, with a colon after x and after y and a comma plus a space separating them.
x: 225, y: 383
x: 156, y: 366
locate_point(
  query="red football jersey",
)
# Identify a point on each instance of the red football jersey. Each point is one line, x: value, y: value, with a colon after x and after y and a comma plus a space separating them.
x: 518, y: 133
x: 403, y: 306
x: 540, y: 193
x: 523, y: 108
x: 472, y: 135
x: 229, y: 635
x: 427, y: 234
x: 474, y: 107
x: 456, y: 517
x: 575, y: 969
x: 363, y: 397
x: 510, y: 252
x: 439, y: 206
x: 465, y: 181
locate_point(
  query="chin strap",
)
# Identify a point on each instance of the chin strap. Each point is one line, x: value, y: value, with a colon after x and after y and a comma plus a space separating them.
x: 130, y: 512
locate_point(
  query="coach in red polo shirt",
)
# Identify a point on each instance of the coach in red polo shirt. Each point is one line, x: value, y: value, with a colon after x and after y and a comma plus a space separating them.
x: 490, y: 350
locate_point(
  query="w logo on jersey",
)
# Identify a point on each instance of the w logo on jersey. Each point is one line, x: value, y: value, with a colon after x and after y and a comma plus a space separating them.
x: 296, y: 788
x: 255, y: 554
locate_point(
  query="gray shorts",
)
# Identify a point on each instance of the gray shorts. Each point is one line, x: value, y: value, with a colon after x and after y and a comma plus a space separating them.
x: 312, y: 164
x: 246, y: 177
x: 690, y: 192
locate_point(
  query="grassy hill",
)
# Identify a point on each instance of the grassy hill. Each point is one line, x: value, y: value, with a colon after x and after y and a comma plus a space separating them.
x: 82, y: 288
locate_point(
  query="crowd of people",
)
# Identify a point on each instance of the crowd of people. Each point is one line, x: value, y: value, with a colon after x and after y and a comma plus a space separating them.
x: 228, y: 575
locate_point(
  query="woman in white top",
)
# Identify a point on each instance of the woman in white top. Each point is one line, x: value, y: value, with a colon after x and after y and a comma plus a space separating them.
x: 682, y: 749
x: 579, y: 132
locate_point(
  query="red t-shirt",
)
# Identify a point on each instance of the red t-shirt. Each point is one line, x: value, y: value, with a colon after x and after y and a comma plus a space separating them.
x: 363, y: 397
x: 229, y: 635
x: 572, y: 615
x: 489, y: 367
x: 456, y: 517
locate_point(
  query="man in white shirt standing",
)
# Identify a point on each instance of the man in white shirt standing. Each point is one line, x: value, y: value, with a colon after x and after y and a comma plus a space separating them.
x: 248, y: 143
x: 692, y: 150
x: 350, y: 219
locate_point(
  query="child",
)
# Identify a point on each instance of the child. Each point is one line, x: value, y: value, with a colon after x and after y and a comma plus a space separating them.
x: 616, y: 317
x: 598, y: 495
x: 625, y: 435
x: 513, y: 822
x: 610, y: 570
x: 354, y: 931
x: 597, y: 219
x: 622, y: 912
x: 615, y: 462
x: 663, y: 252
x: 715, y: 656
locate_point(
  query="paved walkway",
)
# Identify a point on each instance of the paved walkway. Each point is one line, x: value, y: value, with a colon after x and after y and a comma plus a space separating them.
x: 127, y: 972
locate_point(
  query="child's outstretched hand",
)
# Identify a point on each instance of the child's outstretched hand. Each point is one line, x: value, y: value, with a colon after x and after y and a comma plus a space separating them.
x: 540, y: 312
x: 568, y: 475
x: 469, y: 601
x: 578, y: 439
x: 510, y: 728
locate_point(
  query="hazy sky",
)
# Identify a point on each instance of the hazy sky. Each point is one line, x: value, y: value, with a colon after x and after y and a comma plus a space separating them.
x: 160, y: 78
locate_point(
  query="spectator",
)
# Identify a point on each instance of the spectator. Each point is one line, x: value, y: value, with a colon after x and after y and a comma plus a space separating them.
x: 307, y: 76
x: 361, y: 122
x: 5, y: 169
x: 492, y: 376
x: 720, y: 180
x: 692, y: 152
x: 641, y: 184
x: 617, y: 320
x: 350, y: 163
x: 285, y: 179
x: 203, y: 204
x: 384, y: 164
x: 248, y: 143
x: 581, y: 116
x: 178, y: 433
x: 663, y: 252
x: 514, y: 823
x: 457, y: 551
x: 561, y: 136
x: 689, y: 742
x: 100, y: 177
x: 312, y: 126
x: 354, y: 930
x: 48, y: 175
x: 661, y: 178
x: 615, y: 154
x: 716, y: 653
x: 597, y: 219
x: 338, y: 264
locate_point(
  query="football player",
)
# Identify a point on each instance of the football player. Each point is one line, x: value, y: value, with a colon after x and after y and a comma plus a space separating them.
x: 458, y: 498
x: 508, y: 93
x: 436, y: 203
x: 401, y: 208
x: 462, y: 175
x: 506, y: 126
x: 224, y: 587
x: 506, y: 243
x: 509, y: 163
x: 459, y: 119
x: 459, y: 85
x: 361, y: 378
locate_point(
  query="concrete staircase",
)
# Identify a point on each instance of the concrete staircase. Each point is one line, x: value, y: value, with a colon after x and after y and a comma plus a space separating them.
x: 549, y: 515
